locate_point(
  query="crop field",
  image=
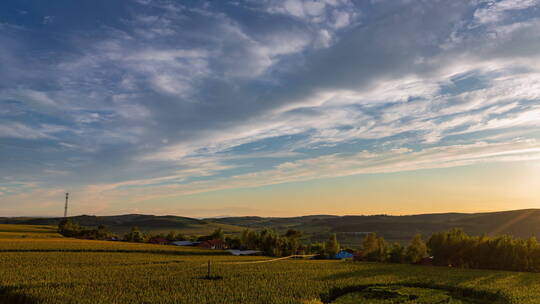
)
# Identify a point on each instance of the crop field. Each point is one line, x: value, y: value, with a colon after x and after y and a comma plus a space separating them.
x: 52, y: 269
x: 27, y: 231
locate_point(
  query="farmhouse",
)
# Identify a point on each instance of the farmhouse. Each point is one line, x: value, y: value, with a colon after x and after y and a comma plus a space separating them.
x: 213, y: 244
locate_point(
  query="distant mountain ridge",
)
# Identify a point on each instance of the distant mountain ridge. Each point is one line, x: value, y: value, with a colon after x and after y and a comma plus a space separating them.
x: 519, y: 223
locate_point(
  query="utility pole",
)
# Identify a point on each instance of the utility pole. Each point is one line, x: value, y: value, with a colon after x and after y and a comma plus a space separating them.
x: 65, y: 207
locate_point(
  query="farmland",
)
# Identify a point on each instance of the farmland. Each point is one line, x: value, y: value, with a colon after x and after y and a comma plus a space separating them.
x: 39, y: 266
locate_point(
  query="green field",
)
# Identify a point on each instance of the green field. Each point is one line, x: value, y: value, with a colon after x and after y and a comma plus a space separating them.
x: 122, y: 224
x: 42, y: 267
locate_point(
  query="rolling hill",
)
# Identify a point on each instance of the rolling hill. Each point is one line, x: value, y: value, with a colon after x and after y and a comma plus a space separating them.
x: 350, y: 228
x: 123, y: 223
x: 519, y: 223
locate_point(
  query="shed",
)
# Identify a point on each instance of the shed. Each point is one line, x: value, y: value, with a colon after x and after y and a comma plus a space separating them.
x: 244, y: 252
x: 184, y: 243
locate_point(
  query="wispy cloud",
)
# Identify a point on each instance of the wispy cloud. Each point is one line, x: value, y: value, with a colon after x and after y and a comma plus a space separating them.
x: 170, y: 99
x: 327, y: 166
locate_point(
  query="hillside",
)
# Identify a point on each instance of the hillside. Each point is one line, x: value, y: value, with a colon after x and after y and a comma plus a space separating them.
x: 518, y: 223
x: 123, y: 223
x: 350, y: 229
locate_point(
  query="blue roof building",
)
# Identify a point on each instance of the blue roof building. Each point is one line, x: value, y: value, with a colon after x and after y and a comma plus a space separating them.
x: 343, y: 255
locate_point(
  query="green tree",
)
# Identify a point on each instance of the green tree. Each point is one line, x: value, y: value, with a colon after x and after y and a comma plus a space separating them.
x: 396, y: 254
x: 270, y: 242
x: 102, y: 232
x: 293, y: 233
x: 369, y: 243
x: 417, y: 249
x: 253, y: 240
x: 331, y: 247
x: 381, y: 254
x: 68, y: 228
x: 174, y: 236
x: 217, y: 234
x: 233, y: 242
x: 136, y: 236
x: 291, y: 242
x: 244, y: 238
x: 316, y: 248
x: 374, y: 248
x: 171, y: 236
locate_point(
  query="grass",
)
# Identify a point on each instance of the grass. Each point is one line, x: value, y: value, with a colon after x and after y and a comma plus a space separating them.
x: 61, y: 270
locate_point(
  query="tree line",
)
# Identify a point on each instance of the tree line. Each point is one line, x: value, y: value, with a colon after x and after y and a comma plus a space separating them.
x: 456, y: 248
x: 376, y: 249
x: 449, y: 248
x: 69, y: 229
x: 272, y: 243
x: 267, y: 241
x: 452, y: 248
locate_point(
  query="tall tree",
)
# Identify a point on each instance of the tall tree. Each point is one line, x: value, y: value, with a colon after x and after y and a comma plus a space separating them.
x: 135, y: 235
x: 417, y: 249
x: 331, y: 247
x: 217, y: 234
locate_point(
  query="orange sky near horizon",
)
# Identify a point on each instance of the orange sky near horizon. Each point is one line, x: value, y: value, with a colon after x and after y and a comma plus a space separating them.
x: 476, y: 188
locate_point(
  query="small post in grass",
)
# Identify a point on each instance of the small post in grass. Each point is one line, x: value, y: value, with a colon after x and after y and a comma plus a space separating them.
x: 209, y: 275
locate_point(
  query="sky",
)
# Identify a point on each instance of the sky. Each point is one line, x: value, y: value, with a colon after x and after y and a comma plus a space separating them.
x: 269, y: 107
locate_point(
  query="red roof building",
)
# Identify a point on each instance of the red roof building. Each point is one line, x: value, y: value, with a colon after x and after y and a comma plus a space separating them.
x: 213, y: 244
x: 158, y: 240
x: 358, y: 256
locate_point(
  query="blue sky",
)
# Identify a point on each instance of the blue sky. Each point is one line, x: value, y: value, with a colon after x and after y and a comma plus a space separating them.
x: 203, y: 108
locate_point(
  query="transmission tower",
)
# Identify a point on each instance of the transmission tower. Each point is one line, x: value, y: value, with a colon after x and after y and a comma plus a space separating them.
x: 66, y: 206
